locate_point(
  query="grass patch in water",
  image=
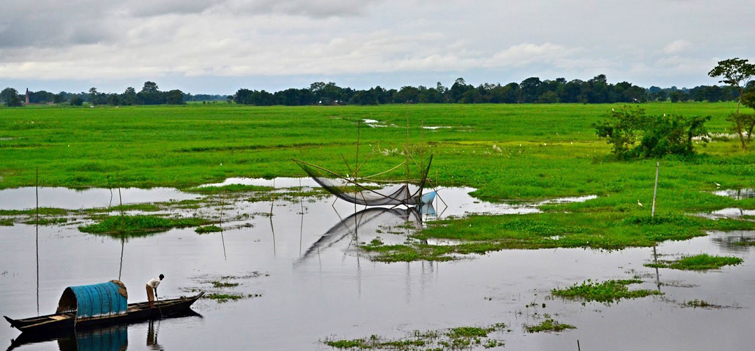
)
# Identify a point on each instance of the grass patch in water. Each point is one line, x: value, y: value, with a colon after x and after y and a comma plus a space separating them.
x: 6, y: 222
x: 700, y: 262
x: 598, y: 230
x: 47, y: 221
x: 450, y: 339
x: 43, y: 211
x: 223, y: 298
x: 701, y: 304
x: 139, y: 225
x: 548, y: 325
x: 606, y: 292
x: 208, y: 229
x: 220, y: 284
x: 231, y: 188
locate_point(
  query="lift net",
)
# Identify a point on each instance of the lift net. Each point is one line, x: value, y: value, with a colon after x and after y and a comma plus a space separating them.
x: 350, y: 190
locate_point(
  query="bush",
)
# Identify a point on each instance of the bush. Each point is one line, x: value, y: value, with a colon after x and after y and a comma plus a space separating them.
x: 658, y: 135
x: 77, y: 101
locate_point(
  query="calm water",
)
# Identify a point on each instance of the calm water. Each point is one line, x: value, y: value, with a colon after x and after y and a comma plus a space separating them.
x: 313, y: 284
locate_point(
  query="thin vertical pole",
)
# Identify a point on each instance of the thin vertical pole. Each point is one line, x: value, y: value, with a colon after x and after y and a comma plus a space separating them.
x: 36, y: 191
x: 652, y: 214
x: 222, y: 237
x: 655, y: 191
x: 123, y: 229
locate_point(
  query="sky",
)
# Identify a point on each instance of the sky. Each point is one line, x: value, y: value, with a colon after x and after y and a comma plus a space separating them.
x: 220, y: 46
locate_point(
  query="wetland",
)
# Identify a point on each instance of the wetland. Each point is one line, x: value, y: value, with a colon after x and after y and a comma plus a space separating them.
x: 536, y: 241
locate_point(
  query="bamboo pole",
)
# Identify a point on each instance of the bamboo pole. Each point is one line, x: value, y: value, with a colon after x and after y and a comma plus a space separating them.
x: 36, y: 192
x: 655, y: 191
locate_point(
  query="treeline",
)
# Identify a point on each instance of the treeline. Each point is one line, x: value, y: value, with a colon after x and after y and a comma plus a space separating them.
x: 148, y: 95
x: 531, y: 90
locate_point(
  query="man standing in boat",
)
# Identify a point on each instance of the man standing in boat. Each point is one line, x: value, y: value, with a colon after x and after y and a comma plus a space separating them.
x: 152, y: 289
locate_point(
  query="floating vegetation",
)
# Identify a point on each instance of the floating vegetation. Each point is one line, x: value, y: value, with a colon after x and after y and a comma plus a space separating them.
x: 139, y: 225
x: 548, y: 325
x: 700, y: 262
x: 6, y: 222
x: 47, y: 221
x: 606, y: 292
x: 701, y: 304
x: 450, y: 339
x: 219, y: 284
x: 208, y: 229
x: 223, y: 298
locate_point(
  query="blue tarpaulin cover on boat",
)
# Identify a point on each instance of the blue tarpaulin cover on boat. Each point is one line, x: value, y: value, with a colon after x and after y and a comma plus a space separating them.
x: 93, y: 300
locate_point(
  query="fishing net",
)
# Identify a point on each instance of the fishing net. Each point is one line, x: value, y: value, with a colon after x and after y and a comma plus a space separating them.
x: 350, y: 190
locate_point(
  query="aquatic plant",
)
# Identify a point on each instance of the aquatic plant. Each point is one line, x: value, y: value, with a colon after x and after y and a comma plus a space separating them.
x: 139, y: 225
x: 607, y: 292
x: 548, y: 325
x: 700, y: 262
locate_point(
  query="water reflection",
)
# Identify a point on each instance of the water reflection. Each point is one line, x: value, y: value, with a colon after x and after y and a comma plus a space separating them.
x: 369, y: 222
x: 113, y: 338
x: 735, y: 241
x: 736, y: 194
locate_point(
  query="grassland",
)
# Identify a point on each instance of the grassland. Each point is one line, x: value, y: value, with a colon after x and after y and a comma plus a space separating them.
x: 702, y: 262
x: 507, y: 152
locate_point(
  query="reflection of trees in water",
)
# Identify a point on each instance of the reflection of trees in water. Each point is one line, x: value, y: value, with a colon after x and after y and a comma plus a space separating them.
x: 735, y: 242
x: 367, y: 221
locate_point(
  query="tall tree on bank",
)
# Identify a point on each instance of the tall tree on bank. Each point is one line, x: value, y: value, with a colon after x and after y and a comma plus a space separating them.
x: 737, y: 73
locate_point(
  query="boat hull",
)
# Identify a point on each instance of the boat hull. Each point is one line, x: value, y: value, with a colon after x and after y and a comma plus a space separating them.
x: 136, y: 312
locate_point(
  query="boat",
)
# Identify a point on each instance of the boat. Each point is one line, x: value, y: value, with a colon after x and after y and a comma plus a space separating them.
x: 89, y: 306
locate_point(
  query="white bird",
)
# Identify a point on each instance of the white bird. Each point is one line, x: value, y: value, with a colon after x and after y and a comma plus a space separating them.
x: 717, y: 185
x: 638, y: 202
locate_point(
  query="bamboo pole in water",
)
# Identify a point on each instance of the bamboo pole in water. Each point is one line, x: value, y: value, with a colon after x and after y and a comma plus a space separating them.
x: 36, y: 193
x: 123, y: 229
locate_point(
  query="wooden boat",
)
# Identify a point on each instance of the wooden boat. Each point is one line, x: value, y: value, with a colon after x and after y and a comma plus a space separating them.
x: 99, y: 305
x: 108, y: 338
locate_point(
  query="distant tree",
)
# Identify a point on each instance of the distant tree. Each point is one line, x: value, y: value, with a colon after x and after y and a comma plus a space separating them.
x: 77, y: 101
x: 175, y: 97
x: 11, y: 98
x: 113, y: 100
x: 735, y: 72
x: 530, y: 89
x: 128, y: 97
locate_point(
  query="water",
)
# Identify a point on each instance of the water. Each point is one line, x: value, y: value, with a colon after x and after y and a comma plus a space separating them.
x: 314, y: 286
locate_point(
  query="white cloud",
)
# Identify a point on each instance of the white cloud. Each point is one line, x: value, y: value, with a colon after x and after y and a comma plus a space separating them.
x: 92, y: 39
x: 677, y: 47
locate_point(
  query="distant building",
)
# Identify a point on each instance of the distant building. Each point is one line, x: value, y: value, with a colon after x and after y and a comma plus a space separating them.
x: 27, y: 96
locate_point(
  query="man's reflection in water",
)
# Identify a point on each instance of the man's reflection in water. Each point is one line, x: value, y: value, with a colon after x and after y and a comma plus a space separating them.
x: 152, y: 336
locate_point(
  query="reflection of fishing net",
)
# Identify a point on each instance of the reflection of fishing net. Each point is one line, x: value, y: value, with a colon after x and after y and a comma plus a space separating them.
x: 350, y: 190
x: 368, y: 220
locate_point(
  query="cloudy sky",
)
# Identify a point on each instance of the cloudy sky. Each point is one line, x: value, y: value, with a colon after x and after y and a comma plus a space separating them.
x: 219, y: 46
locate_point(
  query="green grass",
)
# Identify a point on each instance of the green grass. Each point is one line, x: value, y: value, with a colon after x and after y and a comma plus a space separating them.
x: 6, y: 222
x: 223, y: 298
x: 220, y: 284
x: 139, y: 225
x: 548, y: 325
x: 701, y: 304
x: 208, y: 229
x: 452, y: 339
x: 606, y: 292
x: 521, y: 152
x: 700, y: 262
